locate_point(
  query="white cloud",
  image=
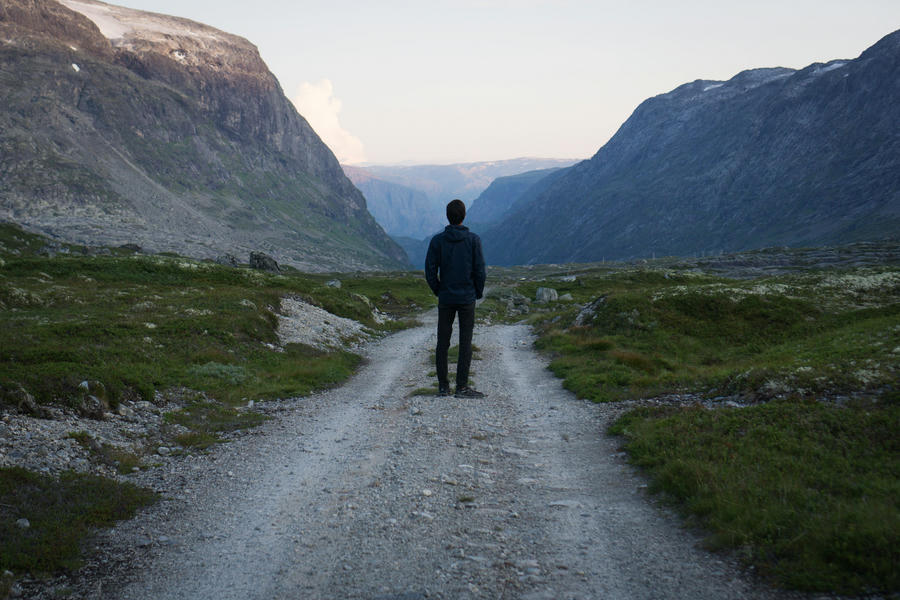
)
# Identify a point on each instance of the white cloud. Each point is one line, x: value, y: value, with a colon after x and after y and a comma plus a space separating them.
x: 316, y: 102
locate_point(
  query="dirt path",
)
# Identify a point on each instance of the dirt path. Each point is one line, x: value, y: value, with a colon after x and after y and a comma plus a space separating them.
x: 363, y: 492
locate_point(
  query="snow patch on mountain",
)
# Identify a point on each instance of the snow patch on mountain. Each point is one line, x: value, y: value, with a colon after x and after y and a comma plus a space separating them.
x: 117, y: 22
x: 829, y: 67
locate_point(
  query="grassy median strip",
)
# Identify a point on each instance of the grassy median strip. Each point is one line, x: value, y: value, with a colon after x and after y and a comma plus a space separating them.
x: 808, y: 492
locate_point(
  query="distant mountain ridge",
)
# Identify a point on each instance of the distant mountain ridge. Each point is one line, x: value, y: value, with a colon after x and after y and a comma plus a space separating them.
x: 118, y: 126
x: 770, y: 157
x: 420, y: 212
x: 402, y: 211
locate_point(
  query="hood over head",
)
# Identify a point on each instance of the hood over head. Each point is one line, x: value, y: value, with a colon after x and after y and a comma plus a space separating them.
x: 455, y: 233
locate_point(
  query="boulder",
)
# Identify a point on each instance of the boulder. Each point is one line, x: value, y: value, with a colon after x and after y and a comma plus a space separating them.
x: 588, y: 312
x: 335, y: 283
x: 26, y: 403
x: 263, y: 262
x: 229, y: 260
x: 92, y: 407
x: 544, y: 295
x: 93, y: 403
x: 517, y: 304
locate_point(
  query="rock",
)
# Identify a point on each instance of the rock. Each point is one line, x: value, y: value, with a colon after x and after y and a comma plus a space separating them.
x: 566, y: 297
x: 131, y: 247
x: 229, y: 260
x: 26, y: 403
x: 545, y: 295
x: 517, y: 304
x: 92, y: 407
x: 23, y: 524
x: 588, y: 312
x: 364, y: 299
x: 263, y: 262
x: 163, y: 451
x: 335, y: 283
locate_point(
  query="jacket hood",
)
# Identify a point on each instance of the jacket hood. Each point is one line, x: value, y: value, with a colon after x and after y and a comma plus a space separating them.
x: 455, y: 233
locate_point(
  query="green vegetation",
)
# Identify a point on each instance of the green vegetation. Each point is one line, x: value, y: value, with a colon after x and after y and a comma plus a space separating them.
x: 806, y: 491
x: 138, y: 324
x: 662, y: 332
x: 124, y: 461
x: 133, y: 327
x: 206, y: 419
x: 60, y: 512
x: 803, y: 483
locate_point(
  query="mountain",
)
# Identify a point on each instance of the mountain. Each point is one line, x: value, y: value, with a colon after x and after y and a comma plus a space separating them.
x: 402, y: 211
x: 423, y: 213
x: 122, y: 126
x: 463, y: 180
x: 503, y: 195
x: 771, y: 157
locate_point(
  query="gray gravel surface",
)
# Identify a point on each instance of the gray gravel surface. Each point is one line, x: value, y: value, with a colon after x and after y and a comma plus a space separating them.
x: 368, y: 492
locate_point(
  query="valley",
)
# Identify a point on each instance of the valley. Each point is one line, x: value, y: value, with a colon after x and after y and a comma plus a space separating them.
x: 216, y: 342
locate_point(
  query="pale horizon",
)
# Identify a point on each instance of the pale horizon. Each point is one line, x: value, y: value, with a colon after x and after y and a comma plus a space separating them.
x: 443, y: 82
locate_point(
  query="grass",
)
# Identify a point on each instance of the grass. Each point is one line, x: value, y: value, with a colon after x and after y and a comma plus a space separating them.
x: 124, y: 461
x: 806, y: 491
x: 206, y: 419
x: 136, y: 326
x: 803, y: 484
x: 653, y: 335
x: 141, y: 324
x: 62, y: 512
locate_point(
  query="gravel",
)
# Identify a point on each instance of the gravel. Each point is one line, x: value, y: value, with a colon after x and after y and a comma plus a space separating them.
x: 367, y: 492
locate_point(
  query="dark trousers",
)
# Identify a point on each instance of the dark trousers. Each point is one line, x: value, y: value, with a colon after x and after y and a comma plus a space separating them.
x: 446, y: 315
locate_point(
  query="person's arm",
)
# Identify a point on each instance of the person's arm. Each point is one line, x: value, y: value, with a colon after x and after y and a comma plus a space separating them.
x: 479, y: 273
x: 432, y: 260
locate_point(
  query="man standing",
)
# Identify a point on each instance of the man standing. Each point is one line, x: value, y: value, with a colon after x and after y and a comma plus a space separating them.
x: 454, y: 269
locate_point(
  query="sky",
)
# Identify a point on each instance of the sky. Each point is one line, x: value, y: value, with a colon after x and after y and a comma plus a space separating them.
x: 440, y: 82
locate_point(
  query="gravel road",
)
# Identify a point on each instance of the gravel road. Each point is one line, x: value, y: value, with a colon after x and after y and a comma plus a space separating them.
x: 367, y: 492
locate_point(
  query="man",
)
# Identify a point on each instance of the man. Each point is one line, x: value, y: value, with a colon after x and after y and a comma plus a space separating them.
x: 454, y: 269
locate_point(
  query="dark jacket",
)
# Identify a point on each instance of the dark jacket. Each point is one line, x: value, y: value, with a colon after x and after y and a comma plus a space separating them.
x: 454, y: 266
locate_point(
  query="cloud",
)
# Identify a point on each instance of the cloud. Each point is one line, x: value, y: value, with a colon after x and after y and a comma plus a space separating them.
x: 316, y: 102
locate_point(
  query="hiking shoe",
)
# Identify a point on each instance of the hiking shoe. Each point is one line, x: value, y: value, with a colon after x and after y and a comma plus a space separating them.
x: 443, y: 391
x: 467, y: 392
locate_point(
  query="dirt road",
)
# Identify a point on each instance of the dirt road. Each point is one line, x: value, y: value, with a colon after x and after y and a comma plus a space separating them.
x: 367, y: 492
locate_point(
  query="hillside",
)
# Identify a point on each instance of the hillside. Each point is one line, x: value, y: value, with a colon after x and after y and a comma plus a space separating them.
x: 120, y: 126
x: 770, y: 157
x: 502, y: 196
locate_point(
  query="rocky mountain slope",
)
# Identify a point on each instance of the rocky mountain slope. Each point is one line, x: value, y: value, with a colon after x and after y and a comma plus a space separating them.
x: 770, y: 157
x: 121, y: 126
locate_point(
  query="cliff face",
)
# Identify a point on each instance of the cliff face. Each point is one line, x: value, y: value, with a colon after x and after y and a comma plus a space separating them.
x: 401, y: 210
x: 770, y: 157
x: 121, y: 126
